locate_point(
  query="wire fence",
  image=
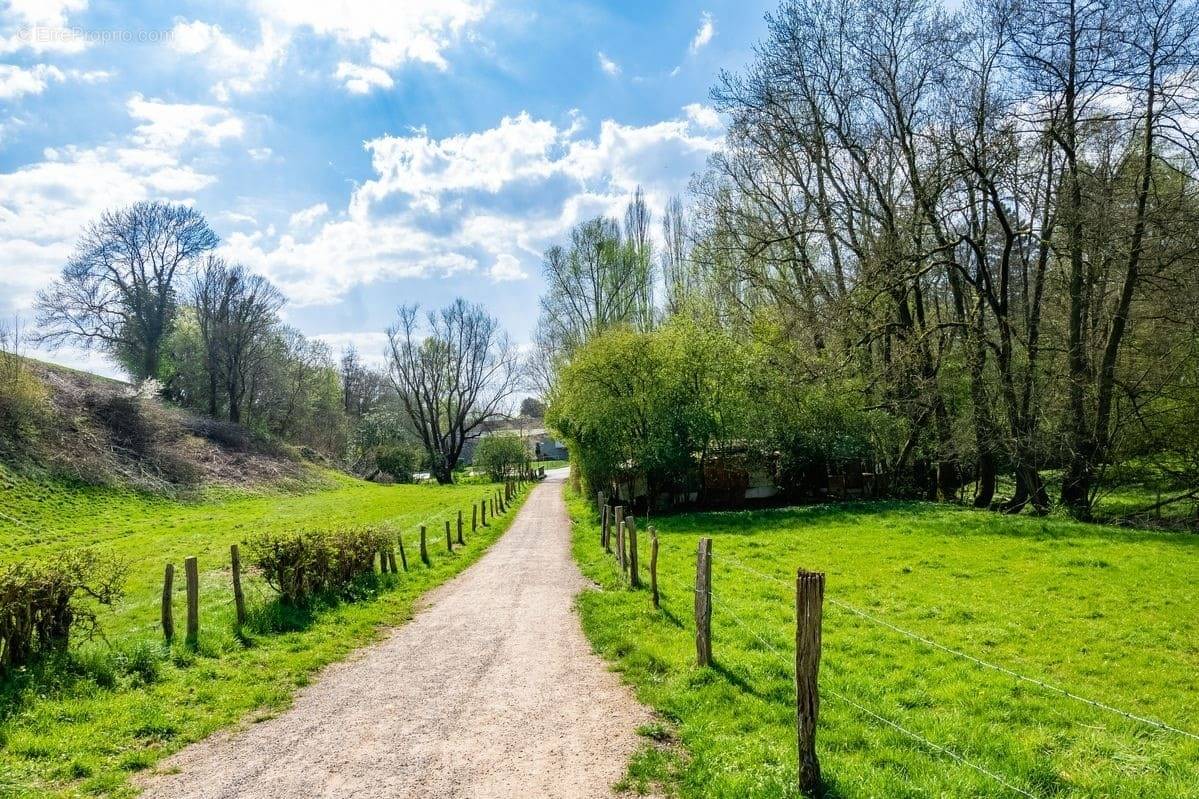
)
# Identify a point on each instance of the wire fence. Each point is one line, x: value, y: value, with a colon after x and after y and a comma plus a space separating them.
x: 788, y: 660
x: 1044, y: 684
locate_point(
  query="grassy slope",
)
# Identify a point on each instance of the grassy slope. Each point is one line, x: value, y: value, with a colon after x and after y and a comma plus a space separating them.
x: 1107, y: 613
x: 84, y: 730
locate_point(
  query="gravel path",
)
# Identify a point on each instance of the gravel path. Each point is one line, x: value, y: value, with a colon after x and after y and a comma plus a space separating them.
x: 491, y: 691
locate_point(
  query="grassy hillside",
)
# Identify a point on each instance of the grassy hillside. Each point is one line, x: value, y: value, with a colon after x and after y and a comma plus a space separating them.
x: 114, y: 707
x: 1106, y: 613
x: 91, y: 429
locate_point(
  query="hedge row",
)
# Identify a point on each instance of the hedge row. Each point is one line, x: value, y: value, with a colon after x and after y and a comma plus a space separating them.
x: 304, y: 565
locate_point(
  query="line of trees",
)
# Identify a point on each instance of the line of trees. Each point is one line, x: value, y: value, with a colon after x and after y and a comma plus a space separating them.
x: 984, y: 223
x: 145, y: 287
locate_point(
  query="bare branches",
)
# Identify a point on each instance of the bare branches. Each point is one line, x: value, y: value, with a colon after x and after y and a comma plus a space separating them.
x: 454, y: 370
x: 118, y: 291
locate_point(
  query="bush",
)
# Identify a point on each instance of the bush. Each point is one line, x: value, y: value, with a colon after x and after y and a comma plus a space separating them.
x: 42, y: 604
x: 398, y: 460
x: 302, y: 566
x: 23, y: 404
x: 501, y: 455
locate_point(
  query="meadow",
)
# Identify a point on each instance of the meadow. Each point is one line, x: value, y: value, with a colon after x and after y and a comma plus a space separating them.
x: 1104, y: 613
x: 86, y: 723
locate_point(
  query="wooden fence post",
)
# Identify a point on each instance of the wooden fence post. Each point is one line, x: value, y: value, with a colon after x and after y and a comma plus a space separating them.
x: 391, y: 561
x: 191, y: 571
x: 239, y: 599
x: 604, y: 528
x: 653, y: 564
x: 474, y: 518
x: 461, y: 540
x: 424, y: 546
x: 618, y: 523
x: 703, y: 603
x: 168, y: 617
x: 483, y: 511
x: 449, y: 538
x: 809, y: 606
x: 634, y: 577
x: 403, y: 555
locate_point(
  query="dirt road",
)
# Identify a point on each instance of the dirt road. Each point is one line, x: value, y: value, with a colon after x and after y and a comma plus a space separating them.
x: 491, y: 691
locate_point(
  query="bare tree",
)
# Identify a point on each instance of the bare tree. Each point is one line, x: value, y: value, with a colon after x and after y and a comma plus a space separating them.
x: 676, y: 277
x: 603, y: 278
x: 361, y: 386
x: 453, y: 373
x: 118, y: 291
x: 237, y: 311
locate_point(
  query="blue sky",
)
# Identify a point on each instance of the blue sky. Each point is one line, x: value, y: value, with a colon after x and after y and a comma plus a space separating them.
x: 361, y: 155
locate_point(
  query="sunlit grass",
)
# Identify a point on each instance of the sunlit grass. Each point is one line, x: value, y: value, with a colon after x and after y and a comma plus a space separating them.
x: 117, y: 706
x: 1107, y: 613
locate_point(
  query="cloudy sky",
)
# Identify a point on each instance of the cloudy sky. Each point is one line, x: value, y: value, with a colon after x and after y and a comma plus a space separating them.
x: 361, y: 155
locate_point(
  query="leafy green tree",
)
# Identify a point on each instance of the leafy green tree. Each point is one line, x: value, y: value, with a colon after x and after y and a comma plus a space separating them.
x: 399, y: 460
x: 501, y: 455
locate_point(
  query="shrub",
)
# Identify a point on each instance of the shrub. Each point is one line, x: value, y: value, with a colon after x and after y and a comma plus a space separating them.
x: 42, y: 604
x: 501, y: 455
x: 23, y: 403
x: 398, y: 460
x: 302, y: 566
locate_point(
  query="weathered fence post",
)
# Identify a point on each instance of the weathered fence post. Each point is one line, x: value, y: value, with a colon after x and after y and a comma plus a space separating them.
x: 191, y: 571
x: 239, y: 599
x: 703, y: 603
x: 618, y: 521
x: 424, y: 546
x: 391, y: 560
x: 634, y: 578
x: 168, y: 616
x: 809, y: 606
x: 461, y: 540
x: 449, y: 538
x: 653, y: 564
x: 483, y: 511
x: 403, y: 555
x: 474, y: 518
x: 604, y: 529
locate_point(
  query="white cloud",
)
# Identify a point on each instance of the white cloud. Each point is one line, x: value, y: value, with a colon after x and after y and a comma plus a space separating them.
x: 40, y: 26
x: 260, y: 153
x: 172, y: 125
x: 389, y: 35
x: 607, y: 64
x: 240, y: 69
x: 44, y: 205
x: 393, y: 34
x: 705, y: 32
x: 703, y: 115
x: 489, y: 201
x: 18, y: 81
x: 506, y: 267
x: 362, y: 80
x: 306, y: 217
x: 15, y: 82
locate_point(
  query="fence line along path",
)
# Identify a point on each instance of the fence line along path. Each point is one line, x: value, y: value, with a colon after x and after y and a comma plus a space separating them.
x: 491, y: 690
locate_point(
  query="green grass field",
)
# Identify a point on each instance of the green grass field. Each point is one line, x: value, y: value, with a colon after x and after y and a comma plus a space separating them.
x: 1106, y: 613
x: 83, y: 727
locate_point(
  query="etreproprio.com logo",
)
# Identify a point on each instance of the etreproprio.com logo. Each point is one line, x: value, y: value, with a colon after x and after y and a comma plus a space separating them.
x: 86, y: 36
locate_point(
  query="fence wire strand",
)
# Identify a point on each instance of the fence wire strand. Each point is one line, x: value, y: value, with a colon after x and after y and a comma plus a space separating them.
x: 790, y: 667
x: 977, y: 661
